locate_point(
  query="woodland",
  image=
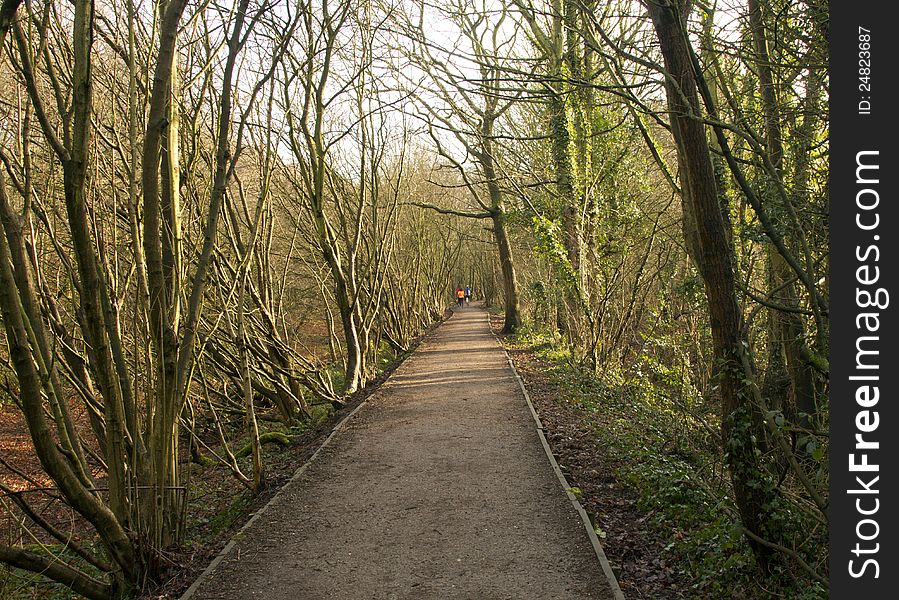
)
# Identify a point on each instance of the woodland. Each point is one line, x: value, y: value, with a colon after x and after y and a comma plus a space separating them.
x: 221, y: 220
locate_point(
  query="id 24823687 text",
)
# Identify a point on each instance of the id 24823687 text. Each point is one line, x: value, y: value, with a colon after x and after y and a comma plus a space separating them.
x: 864, y: 70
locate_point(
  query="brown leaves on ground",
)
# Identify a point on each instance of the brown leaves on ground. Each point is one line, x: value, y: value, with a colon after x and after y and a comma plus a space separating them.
x: 21, y: 472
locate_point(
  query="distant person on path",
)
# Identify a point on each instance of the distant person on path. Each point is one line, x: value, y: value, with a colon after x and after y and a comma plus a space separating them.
x: 460, y: 296
x: 467, y: 294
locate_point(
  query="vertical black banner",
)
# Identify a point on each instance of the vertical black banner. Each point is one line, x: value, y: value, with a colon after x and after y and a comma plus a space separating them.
x: 864, y: 225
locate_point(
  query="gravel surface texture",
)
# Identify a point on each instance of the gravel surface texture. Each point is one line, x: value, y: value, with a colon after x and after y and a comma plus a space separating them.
x: 437, y: 488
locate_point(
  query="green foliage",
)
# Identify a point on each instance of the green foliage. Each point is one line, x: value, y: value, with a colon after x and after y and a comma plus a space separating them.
x: 320, y: 414
x: 223, y: 520
x: 549, y: 246
x: 656, y: 426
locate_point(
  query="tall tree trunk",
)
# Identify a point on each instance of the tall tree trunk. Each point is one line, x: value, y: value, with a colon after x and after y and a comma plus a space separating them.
x: 510, y: 281
x: 160, y: 500
x: 739, y: 430
x: 74, y: 154
x: 788, y: 330
x: 498, y: 218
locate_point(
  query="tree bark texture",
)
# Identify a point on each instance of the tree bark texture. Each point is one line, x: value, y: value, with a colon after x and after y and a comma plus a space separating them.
x: 739, y: 429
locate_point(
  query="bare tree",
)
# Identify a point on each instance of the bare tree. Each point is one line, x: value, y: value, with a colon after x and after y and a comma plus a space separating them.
x: 469, y: 116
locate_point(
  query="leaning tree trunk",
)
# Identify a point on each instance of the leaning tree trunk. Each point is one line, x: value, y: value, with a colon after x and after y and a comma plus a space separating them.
x: 739, y: 430
x: 33, y: 386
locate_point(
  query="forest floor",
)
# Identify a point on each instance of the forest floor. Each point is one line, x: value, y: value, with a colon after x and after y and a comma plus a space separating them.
x: 437, y: 488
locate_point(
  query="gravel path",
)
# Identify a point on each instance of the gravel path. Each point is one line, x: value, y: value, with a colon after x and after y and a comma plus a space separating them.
x: 437, y: 488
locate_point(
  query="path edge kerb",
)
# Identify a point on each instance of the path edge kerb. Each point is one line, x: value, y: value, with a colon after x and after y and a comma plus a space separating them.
x: 202, y: 577
x: 566, y: 487
x: 240, y: 533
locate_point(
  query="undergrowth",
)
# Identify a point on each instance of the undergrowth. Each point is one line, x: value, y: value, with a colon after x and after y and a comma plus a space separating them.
x: 664, y: 439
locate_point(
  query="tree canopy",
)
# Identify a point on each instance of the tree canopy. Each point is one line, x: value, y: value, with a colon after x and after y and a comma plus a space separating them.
x: 222, y: 220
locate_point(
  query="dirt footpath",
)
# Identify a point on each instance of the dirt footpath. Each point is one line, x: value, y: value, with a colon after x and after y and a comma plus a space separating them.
x: 437, y: 488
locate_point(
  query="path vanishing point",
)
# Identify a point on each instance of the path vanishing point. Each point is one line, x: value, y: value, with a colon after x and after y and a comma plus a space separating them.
x: 437, y: 487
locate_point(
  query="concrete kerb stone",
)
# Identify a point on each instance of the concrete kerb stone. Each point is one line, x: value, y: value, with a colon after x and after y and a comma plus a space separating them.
x: 276, y: 498
x: 188, y: 594
x: 566, y: 487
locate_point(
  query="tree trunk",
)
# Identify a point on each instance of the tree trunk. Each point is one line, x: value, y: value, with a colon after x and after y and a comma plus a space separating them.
x: 788, y: 330
x: 160, y: 500
x: 498, y: 216
x: 739, y: 430
x: 510, y: 281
